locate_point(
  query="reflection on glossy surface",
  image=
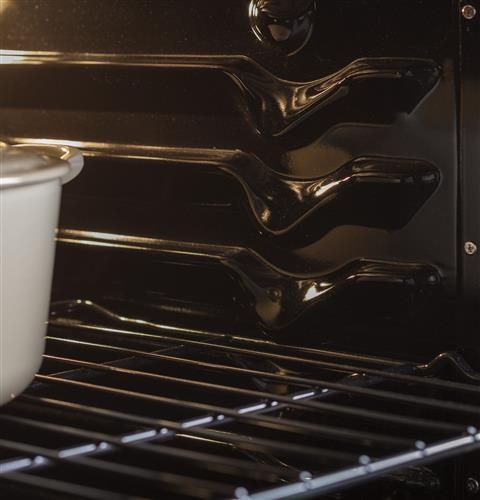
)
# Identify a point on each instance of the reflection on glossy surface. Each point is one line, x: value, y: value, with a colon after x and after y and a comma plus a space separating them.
x: 277, y: 105
x: 4, y: 4
x: 284, y: 8
x: 277, y: 297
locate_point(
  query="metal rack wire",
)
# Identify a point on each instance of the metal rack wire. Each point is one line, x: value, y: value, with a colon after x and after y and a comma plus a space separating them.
x: 124, y: 408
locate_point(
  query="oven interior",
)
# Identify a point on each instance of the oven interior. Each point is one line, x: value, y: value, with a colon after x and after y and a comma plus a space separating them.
x: 261, y: 289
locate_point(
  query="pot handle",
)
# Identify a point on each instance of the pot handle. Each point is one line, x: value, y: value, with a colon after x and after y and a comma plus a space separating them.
x: 66, y: 153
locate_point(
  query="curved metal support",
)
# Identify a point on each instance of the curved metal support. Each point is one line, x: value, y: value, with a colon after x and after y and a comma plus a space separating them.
x: 276, y: 104
x: 278, y: 202
x: 453, y: 360
x: 276, y: 297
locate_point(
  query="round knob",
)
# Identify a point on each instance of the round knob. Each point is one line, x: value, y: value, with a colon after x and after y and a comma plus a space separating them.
x: 286, y: 24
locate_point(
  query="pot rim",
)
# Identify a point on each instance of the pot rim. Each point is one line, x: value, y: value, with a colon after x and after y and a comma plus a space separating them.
x: 27, y: 164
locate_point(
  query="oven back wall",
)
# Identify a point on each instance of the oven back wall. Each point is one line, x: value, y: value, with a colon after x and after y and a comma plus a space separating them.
x: 283, y: 186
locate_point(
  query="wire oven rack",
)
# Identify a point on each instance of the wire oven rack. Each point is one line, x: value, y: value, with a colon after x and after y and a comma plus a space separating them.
x: 128, y: 408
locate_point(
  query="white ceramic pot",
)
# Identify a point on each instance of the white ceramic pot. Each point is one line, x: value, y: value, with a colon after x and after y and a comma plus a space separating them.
x: 31, y: 178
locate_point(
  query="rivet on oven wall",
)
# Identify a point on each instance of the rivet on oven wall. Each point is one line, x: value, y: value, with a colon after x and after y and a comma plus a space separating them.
x: 472, y: 486
x: 470, y: 247
x: 364, y: 460
x: 469, y: 11
x: 241, y: 493
x: 305, y: 476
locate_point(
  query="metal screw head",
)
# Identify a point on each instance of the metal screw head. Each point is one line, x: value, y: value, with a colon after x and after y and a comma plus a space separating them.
x: 469, y: 11
x: 472, y: 486
x: 470, y: 248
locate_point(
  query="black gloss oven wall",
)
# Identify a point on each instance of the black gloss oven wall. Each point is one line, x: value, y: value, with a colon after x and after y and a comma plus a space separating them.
x: 240, y: 185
